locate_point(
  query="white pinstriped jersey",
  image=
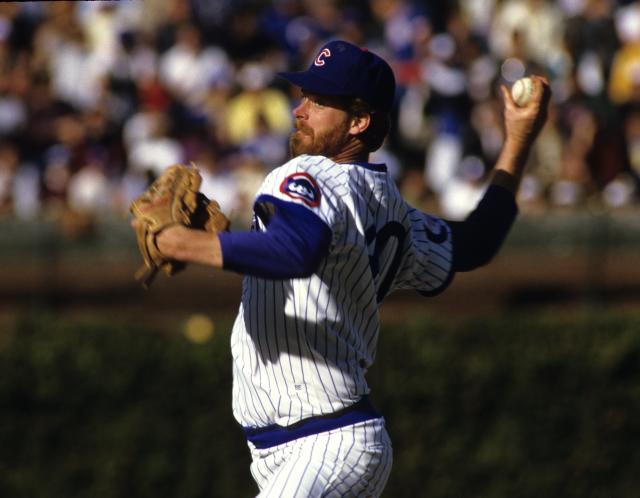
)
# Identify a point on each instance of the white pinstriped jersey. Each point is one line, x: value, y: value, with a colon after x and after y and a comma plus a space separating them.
x: 301, y: 347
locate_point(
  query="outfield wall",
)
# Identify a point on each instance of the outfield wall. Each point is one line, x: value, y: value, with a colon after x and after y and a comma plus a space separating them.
x: 564, y: 259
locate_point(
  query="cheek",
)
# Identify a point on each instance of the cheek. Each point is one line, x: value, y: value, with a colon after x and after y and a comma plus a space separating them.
x: 326, y: 123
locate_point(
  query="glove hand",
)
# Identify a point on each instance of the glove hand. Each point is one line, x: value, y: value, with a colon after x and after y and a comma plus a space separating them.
x: 172, y: 199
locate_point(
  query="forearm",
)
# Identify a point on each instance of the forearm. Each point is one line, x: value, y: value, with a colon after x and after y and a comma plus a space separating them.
x: 510, y: 166
x: 292, y: 246
x: 477, y: 239
x: 189, y: 245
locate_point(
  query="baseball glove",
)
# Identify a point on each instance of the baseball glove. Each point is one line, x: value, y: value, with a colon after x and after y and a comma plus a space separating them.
x: 173, y: 198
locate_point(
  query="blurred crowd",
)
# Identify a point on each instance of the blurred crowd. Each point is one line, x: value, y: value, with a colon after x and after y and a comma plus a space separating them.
x: 97, y: 98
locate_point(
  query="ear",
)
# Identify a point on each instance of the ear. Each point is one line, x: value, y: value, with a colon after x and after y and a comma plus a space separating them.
x: 359, y: 123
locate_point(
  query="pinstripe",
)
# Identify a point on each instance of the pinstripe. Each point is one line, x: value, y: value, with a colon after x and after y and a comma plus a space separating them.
x: 433, y: 264
x: 323, y: 358
x: 351, y: 281
x: 277, y: 487
x: 361, y: 262
x: 385, y: 463
x: 272, y: 343
x: 336, y: 459
x: 380, y: 468
x: 353, y: 334
x: 239, y: 384
x: 261, y: 336
x: 355, y: 465
x: 293, y: 379
x: 278, y: 318
x: 297, y: 325
x: 260, y: 472
x: 346, y: 325
x: 343, y: 462
x: 322, y: 461
x: 368, y: 426
x: 249, y: 359
x: 322, y: 354
x: 326, y: 348
x: 371, y: 331
x: 306, y: 466
x: 353, y: 468
x: 341, y: 298
x: 298, y: 344
x: 254, y: 360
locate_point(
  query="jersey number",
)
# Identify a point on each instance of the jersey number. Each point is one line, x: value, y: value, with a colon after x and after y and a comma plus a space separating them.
x: 391, y: 229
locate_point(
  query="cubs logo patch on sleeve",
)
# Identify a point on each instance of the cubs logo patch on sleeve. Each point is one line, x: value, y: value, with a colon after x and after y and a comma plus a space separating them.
x: 436, y: 233
x: 303, y: 187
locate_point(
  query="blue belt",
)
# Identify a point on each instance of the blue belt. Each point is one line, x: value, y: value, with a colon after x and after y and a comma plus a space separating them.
x: 273, y: 435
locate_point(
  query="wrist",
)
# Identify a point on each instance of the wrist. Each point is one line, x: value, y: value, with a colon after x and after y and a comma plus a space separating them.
x: 510, y: 165
x: 513, y: 156
x: 180, y: 243
x: 167, y: 241
x: 516, y: 149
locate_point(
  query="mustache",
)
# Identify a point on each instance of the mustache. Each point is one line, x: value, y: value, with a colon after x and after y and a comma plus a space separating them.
x: 303, y: 128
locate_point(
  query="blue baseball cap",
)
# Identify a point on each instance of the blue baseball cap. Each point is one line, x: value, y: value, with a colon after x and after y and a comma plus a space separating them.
x: 343, y: 69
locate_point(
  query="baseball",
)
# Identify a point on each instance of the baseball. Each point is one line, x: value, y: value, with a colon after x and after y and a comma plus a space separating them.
x: 522, y: 91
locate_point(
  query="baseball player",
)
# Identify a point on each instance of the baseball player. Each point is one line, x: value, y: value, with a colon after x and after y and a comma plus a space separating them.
x: 331, y: 237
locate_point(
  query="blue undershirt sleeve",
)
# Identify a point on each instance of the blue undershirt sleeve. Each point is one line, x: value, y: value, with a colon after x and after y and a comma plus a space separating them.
x: 292, y: 245
x: 477, y: 239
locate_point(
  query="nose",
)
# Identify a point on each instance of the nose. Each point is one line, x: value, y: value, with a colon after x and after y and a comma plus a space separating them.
x: 300, y: 111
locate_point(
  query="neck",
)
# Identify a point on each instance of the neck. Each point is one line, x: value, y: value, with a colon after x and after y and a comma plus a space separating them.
x: 352, y: 152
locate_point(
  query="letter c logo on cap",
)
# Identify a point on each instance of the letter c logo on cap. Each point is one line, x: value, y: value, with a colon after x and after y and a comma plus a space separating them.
x: 325, y: 52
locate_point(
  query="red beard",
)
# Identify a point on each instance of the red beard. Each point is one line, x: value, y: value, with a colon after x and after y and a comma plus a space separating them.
x: 305, y: 141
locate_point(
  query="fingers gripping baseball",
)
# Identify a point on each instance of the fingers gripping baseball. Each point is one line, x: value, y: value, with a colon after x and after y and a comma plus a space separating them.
x: 524, y: 122
x: 173, y: 199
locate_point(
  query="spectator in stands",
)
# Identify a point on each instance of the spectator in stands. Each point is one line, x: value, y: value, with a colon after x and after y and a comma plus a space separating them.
x: 188, y: 68
x: 98, y: 97
x: 537, y: 27
x: 258, y: 113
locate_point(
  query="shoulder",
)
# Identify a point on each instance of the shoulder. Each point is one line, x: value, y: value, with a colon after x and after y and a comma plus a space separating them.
x: 322, y: 170
x: 312, y: 164
x: 311, y: 180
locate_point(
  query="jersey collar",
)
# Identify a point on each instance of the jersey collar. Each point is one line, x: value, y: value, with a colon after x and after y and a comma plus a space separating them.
x: 372, y: 166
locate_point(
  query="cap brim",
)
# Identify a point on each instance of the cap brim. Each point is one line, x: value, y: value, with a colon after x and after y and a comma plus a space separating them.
x: 313, y: 83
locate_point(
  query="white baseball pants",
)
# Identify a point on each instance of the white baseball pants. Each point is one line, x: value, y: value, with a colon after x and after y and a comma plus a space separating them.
x: 351, y: 461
